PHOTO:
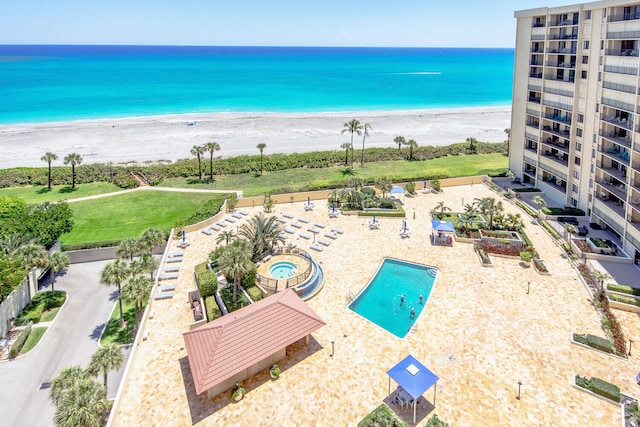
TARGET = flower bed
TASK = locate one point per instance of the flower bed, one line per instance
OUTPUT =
(599, 387)
(593, 341)
(499, 234)
(583, 245)
(540, 268)
(502, 247)
(484, 257)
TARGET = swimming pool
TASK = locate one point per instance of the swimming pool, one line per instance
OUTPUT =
(393, 293)
(282, 270)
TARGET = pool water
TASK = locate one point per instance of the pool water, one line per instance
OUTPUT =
(381, 301)
(282, 270)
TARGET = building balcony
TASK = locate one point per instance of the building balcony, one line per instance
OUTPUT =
(554, 183)
(551, 161)
(563, 37)
(615, 155)
(618, 121)
(621, 52)
(534, 100)
(535, 75)
(612, 204)
(565, 50)
(559, 118)
(565, 133)
(615, 187)
(529, 171)
(551, 144)
(563, 22)
(620, 87)
(636, 146)
(554, 64)
(629, 16)
(630, 71)
(532, 149)
(636, 166)
(613, 137)
(620, 175)
(567, 79)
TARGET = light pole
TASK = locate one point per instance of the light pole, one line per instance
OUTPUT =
(519, 385)
(528, 285)
(630, 342)
(332, 348)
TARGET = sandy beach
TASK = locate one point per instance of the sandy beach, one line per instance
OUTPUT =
(171, 137)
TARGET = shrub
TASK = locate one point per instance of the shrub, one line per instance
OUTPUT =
(19, 342)
(90, 245)
(435, 184)
(484, 257)
(526, 190)
(40, 303)
(387, 203)
(125, 181)
(368, 191)
(552, 211)
(527, 209)
(411, 187)
(598, 242)
(624, 299)
(434, 421)
(381, 416)
(550, 229)
(207, 283)
(249, 279)
(623, 289)
(254, 292)
(526, 256)
(601, 387)
(213, 311)
(595, 342)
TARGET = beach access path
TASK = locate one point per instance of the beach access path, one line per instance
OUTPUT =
(171, 137)
(145, 188)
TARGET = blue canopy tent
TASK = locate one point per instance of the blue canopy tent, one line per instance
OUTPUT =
(395, 190)
(440, 227)
(414, 378)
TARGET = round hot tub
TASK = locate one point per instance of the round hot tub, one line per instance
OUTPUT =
(282, 270)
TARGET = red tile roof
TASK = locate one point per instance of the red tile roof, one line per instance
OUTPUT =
(232, 343)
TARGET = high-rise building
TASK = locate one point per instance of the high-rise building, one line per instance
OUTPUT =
(575, 121)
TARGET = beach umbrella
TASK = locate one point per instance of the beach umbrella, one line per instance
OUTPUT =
(333, 206)
(374, 217)
(425, 185)
(184, 236)
(404, 226)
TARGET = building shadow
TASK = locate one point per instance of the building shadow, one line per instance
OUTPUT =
(201, 407)
(424, 408)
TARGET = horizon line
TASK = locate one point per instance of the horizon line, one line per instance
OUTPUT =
(253, 46)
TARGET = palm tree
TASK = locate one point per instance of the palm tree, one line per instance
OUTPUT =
(350, 196)
(472, 143)
(571, 229)
(346, 146)
(400, 141)
(151, 237)
(49, 157)
(73, 159)
(352, 127)
(411, 144)
(198, 151)
(137, 290)
(633, 414)
(384, 184)
(538, 200)
(261, 147)
(491, 207)
(65, 379)
(82, 405)
(225, 236)
(365, 131)
(508, 132)
(442, 208)
(105, 359)
(211, 147)
(57, 261)
(356, 182)
(600, 277)
(115, 273)
(128, 248)
(262, 234)
(235, 261)
(144, 264)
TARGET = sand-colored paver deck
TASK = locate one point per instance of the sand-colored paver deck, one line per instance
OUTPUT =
(480, 333)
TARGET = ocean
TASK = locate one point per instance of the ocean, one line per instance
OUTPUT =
(60, 83)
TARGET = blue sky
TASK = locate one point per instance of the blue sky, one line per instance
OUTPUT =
(399, 23)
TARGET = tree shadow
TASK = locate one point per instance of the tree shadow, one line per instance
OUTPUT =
(43, 190)
(113, 296)
(66, 190)
(192, 181)
(348, 171)
(97, 332)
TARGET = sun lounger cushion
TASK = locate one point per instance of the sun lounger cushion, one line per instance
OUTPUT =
(221, 223)
(318, 224)
(229, 219)
(305, 235)
(206, 231)
(166, 288)
(168, 276)
(331, 235)
(236, 215)
(337, 230)
(280, 219)
(283, 235)
(171, 268)
(164, 295)
(305, 220)
(316, 248)
(175, 259)
(287, 215)
(296, 225)
(214, 227)
(172, 254)
(324, 242)
(289, 230)
(243, 212)
(313, 230)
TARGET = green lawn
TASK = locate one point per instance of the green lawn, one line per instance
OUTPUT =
(60, 192)
(34, 338)
(301, 179)
(112, 332)
(50, 315)
(128, 215)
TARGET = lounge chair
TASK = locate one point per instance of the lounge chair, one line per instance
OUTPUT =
(314, 230)
(296, 224)
(283, 235)
(324, 242)
(206, 231)
(316, 248)
(214, 227)
(304, 220)
(229, 219)
(175, 259)
(331, 235)
(243, 212)
(221, 223)
(174, 254)
(305, 235)
(337, 230)
(318, 224)
(287, 215)
(164, 295)
(289, 230)
(281, 220)
(171, 269)
(166, 288)
(168, 276)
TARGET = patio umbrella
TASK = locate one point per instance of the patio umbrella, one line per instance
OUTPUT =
(333, 206)
(308, 200)
(184, 236)
(425, 185)
(404, 226)
(374, 217)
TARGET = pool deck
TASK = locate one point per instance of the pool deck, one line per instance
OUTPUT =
(480, 333)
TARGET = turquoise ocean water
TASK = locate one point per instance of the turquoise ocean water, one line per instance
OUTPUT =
(57, 83)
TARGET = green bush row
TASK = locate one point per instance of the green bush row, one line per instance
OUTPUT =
(90, 245)
(624, 289)
(624, 299)
(207, 283)
(595, 342)
(525, 239)
(550, 229)
(526, 190)
(563, 211)
(40, 303)
(254, 292)
(19, 342)
(601, 387)
(527, 209)
(400, 213)
(213, 311)
(494, 187)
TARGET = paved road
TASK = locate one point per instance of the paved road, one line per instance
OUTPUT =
(72, 339)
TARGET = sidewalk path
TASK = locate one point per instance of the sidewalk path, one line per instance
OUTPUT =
(177, 190)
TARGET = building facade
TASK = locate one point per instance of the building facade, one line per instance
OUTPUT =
(575, 121)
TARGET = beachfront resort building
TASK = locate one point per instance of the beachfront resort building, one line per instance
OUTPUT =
(575, 124)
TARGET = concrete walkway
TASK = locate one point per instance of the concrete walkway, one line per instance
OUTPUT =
(147, 188)
(71, 340)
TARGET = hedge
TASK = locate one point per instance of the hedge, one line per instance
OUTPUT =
(624, 289)
(525, 239)
(90, 245)
(526, 190)
(19, 342)
(624, 299)
(207, 283)
(213, 311)
(601, 387)
(595, 342)
(550, 229)
(254, 292)
(400, 213)
(563, 211)
(40, 303)
(381, 416)
(527, 209)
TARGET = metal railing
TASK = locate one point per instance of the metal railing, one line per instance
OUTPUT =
(623, 35)
(611, 222)
(555, 172)
(618, 104)
(632, 71)
(533, 112)
(531, 136)
(555, 77)
(534, 88)
(619, 87)
(621, 52)
(273, 284)
(623, 17)
(568, 93)
(566, 107)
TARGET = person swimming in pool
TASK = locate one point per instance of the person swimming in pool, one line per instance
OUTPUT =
(402, 299)
(421, 299)
(413, 313)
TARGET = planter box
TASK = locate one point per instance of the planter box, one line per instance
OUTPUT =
(465, 239)
(579, 344)
(599, 250)
(535, 267)
(595, 394)
(622, 306)
(482, 262)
